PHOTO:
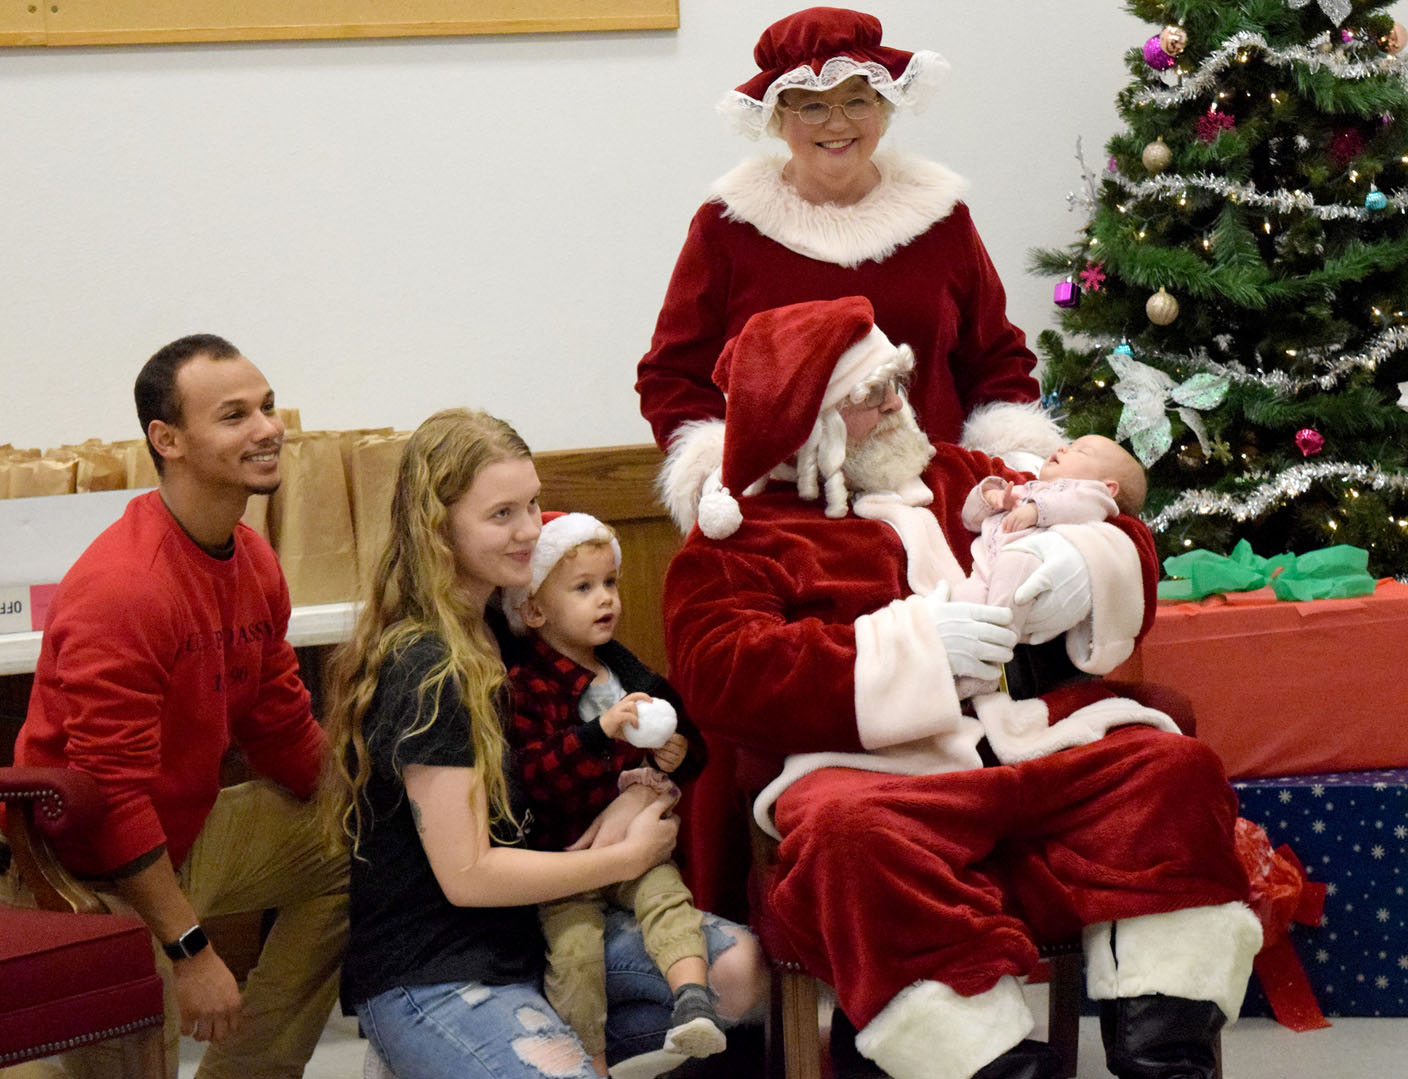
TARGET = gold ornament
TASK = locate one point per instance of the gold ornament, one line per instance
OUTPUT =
(1161, 308)
(1157, 156)
(1173, 39)
(1395, 39)
(1190, 457)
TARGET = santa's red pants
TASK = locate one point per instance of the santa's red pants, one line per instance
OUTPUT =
(884, 880)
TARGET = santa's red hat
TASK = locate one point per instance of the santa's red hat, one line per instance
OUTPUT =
(561, 533)
(822, 47)
(783, 377)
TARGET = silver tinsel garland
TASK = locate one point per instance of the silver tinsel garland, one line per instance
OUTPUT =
(1206, 76)
(1282, 201)
(1289, 484)
(1334, 363)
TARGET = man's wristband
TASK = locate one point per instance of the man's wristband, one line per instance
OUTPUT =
(190, 943)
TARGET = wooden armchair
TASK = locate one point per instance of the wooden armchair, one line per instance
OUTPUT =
(70, 973)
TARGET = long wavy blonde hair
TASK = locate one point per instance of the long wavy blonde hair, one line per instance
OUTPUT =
(414, 594)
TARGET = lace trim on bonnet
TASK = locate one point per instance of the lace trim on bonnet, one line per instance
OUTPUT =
(916, 85)
(913, 194)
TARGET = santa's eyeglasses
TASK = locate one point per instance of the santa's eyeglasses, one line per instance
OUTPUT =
(875, 394)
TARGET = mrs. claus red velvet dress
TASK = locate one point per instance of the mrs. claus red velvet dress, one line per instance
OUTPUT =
(909, 246)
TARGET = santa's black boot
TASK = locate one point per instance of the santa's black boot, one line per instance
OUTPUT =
(1159, 1037)
(1026, 1060)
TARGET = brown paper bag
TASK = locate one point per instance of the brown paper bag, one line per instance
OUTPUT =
(100, 468)
(348, 441)
(34, 476)
(8, 456)
(256, 514)
(292, 423)
(140, 468)
(310, 521)
(371, 479)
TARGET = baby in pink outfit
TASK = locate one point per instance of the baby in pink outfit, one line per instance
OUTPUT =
(1088, 480)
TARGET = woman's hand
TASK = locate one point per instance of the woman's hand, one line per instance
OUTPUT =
(610, 824)
(653, 833)
(621, 715)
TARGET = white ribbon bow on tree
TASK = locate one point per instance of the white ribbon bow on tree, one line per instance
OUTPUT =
(1147, 394)
(1335, 10)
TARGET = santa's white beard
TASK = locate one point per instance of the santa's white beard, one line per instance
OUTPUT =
(894, 453)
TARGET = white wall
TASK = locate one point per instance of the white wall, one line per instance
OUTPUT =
(391, 227)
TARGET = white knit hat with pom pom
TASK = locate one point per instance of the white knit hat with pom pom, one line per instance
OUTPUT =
(561, 533)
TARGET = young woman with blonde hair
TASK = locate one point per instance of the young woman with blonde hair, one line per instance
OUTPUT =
(445, 958)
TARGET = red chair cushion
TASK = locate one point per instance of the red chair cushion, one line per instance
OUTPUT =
(70, 979)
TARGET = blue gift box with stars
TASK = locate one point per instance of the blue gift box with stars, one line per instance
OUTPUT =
(1350, 831)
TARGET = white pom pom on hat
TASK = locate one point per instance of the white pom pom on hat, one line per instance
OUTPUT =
(561, 532)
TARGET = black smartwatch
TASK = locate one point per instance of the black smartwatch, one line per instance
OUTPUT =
(190, 943)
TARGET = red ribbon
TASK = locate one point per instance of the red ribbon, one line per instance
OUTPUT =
(1281, 894)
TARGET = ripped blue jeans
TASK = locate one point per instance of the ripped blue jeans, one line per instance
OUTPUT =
(511, 1032)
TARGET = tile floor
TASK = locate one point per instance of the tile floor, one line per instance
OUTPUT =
(1253, 1049)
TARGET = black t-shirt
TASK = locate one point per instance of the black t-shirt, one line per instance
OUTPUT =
(404, 931)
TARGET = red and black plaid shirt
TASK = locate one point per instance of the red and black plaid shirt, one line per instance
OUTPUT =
(568, 768)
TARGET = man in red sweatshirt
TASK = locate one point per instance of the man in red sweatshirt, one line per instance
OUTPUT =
(165, 645)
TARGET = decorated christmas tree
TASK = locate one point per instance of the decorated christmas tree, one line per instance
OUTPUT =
(1236, 305)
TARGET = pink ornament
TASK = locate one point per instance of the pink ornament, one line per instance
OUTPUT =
(1346, 35)
(1066, 294)
(1093, 276)
(1155, 56)
(1309, 441)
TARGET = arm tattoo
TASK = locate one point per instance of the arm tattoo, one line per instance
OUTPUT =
(415, 815)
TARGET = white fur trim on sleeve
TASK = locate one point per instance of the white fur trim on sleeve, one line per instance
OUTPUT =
(903, 685)
(1005, 429)
(696, 450)
(1019, 731)
(927, 1031)
(1106, 639)
(1199, 953)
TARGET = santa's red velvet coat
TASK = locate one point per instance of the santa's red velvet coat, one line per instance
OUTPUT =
(803, 636)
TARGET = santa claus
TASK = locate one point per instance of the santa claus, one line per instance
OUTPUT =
(929, 843)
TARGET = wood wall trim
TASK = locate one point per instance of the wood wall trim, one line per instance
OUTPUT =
(614, 483)
(125, 22)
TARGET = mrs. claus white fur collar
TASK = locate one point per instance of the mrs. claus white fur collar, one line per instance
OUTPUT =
(912, 195)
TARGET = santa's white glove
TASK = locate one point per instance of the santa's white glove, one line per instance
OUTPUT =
(1058, 589)
(975, 635)
(655, 722)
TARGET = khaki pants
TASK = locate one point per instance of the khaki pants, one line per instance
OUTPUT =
(575, 981)
(260, 848)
